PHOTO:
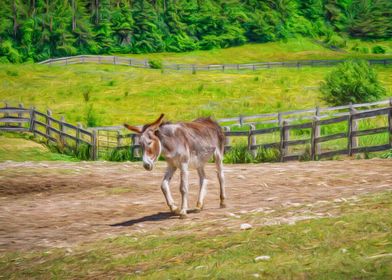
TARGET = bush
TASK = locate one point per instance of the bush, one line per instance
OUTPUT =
(352, 81)
(120, 154)
(91, 118)
(335, 41)
(267, 155)
(379, 50)
(238, 154)
(155, 64)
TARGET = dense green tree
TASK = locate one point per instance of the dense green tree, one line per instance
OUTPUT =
(39, 29)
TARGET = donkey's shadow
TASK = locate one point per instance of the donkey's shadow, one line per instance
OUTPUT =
(150, 218)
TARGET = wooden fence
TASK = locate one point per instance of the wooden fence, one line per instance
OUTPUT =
(59, 132)
(248, 128)
(144, 63)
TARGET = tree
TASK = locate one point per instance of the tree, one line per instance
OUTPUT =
(352, 81)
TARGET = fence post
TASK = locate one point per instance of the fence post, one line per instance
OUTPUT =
(350, 131)
(241, 120)
(318, 130)
(6, 106)
(94, 146)
(254, 67)
(223, 68)
(284, 136)
(62, 130)
(20, 115)
(315, 134)
(227, 138)
(354, 127)
(193, 69)
(32, 120)
(252, 140)
(136, 150)
(114, 60)
(130, 61)
(118, 139)
(48, 123)
(79, 126)
(390, 122)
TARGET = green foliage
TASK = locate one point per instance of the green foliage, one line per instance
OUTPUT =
(81, 152)
(91, 117)
(43, 29)
(387, 154)
(155, 64)
(238, 154)
(379, 50)
(351, 81)
(267, 155)
(120, 154)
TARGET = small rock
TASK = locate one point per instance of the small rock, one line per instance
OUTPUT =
(245, 226)
(262, 258)
(256, 275)
(343, 250)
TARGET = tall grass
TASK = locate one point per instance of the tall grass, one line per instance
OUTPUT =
(120, 154)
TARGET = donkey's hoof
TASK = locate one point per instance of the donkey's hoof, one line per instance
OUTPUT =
(183, 216)
(223, 205)
(175, 210)
(199, 207)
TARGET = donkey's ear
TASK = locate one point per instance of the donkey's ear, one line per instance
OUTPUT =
(155, 125)
(133, 128)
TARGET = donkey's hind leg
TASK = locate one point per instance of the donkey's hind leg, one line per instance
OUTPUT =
(219, 169)
(203, 189)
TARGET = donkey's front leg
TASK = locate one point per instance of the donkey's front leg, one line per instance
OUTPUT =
(166, 189)
(184, 190)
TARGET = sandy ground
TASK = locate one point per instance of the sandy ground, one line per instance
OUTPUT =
(57, 204)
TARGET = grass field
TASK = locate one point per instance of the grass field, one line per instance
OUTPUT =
(293, 49)
(354, 243)
(19, 148)
(112, 95)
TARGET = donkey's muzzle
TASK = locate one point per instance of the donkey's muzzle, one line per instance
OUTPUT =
(147, 166)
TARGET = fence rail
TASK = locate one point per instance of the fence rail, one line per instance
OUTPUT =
(103, 139)
(22, 119)
(144, 63)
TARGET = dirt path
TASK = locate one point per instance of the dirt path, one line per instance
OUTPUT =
(58, 204)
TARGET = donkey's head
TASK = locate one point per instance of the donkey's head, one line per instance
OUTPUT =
(149, 141)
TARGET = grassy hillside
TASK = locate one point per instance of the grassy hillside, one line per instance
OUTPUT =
(16, 148)
(355, 243)
(118, 94)
(292, 49)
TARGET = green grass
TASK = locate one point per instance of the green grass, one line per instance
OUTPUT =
(293, 49)
(118, 94)
(21, 148)
(354, 244)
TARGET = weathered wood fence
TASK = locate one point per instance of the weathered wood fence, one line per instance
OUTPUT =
(248, 128)
(144, 63)
(59, 132)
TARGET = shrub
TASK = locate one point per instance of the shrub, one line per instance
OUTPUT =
(91, 118)
(352, 81)
(379, 50)
(120, 154)
(335, 41)
(238, 154)
(155, 64)
(267, 155)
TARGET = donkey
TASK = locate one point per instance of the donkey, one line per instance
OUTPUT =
(183, 145)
